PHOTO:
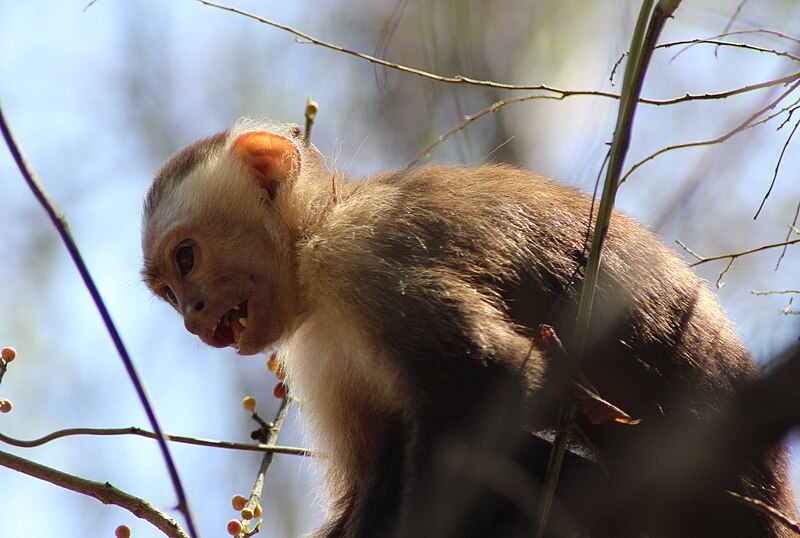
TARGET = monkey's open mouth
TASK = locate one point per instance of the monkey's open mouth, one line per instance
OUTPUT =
(230, 326)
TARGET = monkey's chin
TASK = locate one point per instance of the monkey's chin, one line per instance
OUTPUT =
(254, 340)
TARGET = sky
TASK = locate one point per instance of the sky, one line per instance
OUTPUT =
(98, 97)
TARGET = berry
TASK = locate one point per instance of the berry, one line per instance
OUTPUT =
(249, 403)
(234, 527)
(5, 406)
(123, 531)
(8, 354)
(238, 502)
(280, 390)
(272, 362)
(257, 510)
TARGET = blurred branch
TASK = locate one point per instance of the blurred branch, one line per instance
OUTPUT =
(460, 79)
(293, 451)
(62, 228)
(775, 292)
(103, 492)
(457, 79)
(649, 24)
(491, 109)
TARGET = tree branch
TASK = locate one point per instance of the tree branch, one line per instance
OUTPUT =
(62, 228)
(103, 492)
(260, 447)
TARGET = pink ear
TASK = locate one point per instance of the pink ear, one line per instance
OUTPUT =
(271, 157)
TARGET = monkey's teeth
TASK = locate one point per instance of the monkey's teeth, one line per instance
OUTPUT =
(243, 322)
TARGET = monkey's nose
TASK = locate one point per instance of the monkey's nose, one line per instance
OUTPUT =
(194, 322)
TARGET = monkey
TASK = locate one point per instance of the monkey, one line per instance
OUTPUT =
(406, 308)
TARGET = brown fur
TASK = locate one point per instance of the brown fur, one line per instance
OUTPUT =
(405, 306)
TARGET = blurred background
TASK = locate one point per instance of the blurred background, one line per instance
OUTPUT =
(99, 97)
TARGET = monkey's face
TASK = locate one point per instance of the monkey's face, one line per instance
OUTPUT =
(222, 289)
(216, 248)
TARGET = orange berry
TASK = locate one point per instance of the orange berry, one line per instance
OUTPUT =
(6, 406)
(280, 374)
(249, 403)
(234, 527)
(280, 390)
(123, 531)
(238, 502)
(257, 511)
(272, 362)
(8, 354)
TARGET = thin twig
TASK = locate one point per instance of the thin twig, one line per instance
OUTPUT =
(703, 259)
(460, 79)
(62, 228)
(769, 511)
(777, 169)
(272, 438)
(491, 109)
(776, 292)
(735, 15)
(260, 447)
(719, 43)
(730, 257)
(792, 228)
(103, 492)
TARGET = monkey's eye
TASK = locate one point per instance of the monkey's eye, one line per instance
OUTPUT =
(171, 297)
(184, 257)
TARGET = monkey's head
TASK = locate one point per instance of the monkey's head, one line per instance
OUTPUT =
(217, 235)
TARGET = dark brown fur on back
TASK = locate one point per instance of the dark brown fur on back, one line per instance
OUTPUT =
(452, 269)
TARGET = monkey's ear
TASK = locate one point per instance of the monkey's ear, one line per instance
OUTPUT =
(271, 157)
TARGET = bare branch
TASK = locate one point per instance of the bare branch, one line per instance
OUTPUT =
(731, 257)
(746, 124)
(735, 15)
(272, 438)
(103, 492)
(777, 169)
(702, 259)
(62, 228)
(260, 447)
(770, 511)
(491, 109)
(457, 79)
(792, 228)
(711, 41)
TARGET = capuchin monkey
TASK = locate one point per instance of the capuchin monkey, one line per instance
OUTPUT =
(407, 309)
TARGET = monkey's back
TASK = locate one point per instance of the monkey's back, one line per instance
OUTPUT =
(501, 251)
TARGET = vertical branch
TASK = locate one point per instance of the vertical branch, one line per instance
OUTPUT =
(648, 28)
(255, 494)
(62, 227)
(641, 50)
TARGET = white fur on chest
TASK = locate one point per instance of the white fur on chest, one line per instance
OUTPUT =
(345, 385)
